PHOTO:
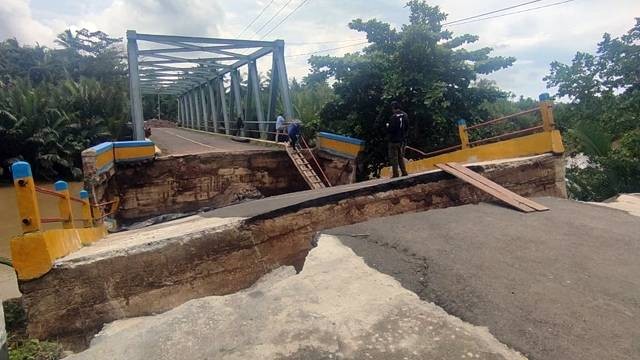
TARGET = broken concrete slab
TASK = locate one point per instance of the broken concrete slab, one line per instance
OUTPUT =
(143, 274)
(337, 307)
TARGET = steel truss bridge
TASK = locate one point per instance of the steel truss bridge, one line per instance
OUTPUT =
(205, 75)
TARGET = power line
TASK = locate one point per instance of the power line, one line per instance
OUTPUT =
(325, 50)
(492, 12)
(515, 12)
(285, 18)
(470, 19)
(273, 17)
(322, 42)
(255, 18)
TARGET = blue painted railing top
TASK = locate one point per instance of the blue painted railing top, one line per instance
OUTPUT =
(136, 143)
(100, 148)
(341, 138)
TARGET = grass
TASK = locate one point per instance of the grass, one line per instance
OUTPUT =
(21, 347)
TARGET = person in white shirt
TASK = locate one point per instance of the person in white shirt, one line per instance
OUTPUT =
(281, 126)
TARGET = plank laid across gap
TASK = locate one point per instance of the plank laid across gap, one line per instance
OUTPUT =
(491, 187)
(488, 182)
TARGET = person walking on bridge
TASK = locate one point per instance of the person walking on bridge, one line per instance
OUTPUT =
(281, 126)
(397, 132)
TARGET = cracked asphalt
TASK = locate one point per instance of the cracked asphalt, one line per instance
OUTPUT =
(562, 284)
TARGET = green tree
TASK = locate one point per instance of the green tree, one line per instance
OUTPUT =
(54, 103)
(424, 67)
(602, 119)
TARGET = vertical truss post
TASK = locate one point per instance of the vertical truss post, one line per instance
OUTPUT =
(185, 113)
(237, 97)
(212, 102)
(197, 99)
(223, 105)
(205, 115)
(273, 91)
(192, 110)
(179, 112)
(254, 86)
(278, 53)
(134, 86)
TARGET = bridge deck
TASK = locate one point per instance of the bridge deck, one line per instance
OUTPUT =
(175, 141)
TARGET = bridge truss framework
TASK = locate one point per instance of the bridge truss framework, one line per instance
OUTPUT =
(196, 71)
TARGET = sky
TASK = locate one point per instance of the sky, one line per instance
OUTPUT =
(534, 38)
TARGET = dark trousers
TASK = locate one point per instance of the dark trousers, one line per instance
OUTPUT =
(396, 158)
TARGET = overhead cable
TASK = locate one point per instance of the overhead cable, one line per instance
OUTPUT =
(255, 18)
(285, 18)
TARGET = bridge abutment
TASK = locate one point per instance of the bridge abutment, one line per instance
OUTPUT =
(152, 270)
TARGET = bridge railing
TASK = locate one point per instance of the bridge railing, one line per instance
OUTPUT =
(534, 139)
(34, 252)
(545, 109)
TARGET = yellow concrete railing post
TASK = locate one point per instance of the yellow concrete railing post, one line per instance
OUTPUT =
(64, 204)
(546, 112)
(87, 219)
(26, 196)
(462, 131)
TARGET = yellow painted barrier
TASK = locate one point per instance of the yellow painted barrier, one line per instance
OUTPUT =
(131, 151)
(34, 252)
(339, 145)
(548, 140)
(529, 145)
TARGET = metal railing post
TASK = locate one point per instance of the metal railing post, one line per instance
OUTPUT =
(462, 132)
(86, 209)
(64, 204)
(26, 197)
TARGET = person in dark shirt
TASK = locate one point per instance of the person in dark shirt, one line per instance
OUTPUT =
(239, 126)
(397, 131)
(293, 131)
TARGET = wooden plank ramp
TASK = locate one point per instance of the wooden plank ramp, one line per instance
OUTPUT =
(308, 174)
(519, 202)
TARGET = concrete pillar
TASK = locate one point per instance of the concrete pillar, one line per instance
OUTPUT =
(25, 187)
(64, 203)
(462, 132)
(135, 96)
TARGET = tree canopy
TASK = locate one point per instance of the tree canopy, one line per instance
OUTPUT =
(424, 67)
(602, 119)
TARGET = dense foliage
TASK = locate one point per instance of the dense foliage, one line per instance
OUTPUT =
(602, 119)
(421, 65)
(56, 102)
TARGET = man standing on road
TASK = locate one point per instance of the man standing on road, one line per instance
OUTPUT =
(397, 131)
(280, 126)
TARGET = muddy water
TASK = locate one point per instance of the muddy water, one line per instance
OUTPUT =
(10, 227)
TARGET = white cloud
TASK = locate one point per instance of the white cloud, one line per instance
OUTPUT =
(16, 21)
(175, 17)
(535, 38)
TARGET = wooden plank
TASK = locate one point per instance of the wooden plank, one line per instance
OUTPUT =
(498, 187)
(453, 171)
